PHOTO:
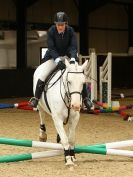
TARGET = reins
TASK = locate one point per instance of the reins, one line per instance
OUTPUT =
(68, 95)
(67, 90)
(48, 79)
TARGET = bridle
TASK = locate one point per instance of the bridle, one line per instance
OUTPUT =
(74, 92)
(68, 94)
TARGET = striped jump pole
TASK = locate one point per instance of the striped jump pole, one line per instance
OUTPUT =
(30, 143)
(84, 149)
(57, 146)
(103, 149)
(29, 156)
(25, 105)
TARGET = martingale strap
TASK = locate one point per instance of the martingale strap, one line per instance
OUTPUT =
(46, 100)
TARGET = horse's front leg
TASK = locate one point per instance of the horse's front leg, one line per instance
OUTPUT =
(72, 123)
(64, 139)
(42, 134)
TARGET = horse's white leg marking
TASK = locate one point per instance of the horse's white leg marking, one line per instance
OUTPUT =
(64, 139)
(72, 123)
(43, 134)
(60, 129)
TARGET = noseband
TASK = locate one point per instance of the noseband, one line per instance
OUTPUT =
(74, 92)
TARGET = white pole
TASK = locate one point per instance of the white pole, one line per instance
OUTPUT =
(51, 153)
(47, 145)
(94, 76)
(105, 75)
(100, 84)
(109, 78)
(120, 152)
(119, 144)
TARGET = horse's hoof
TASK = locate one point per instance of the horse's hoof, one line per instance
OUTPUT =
(130, 119)
(58, 138)
(73, 159)
(44, 139)
(69, 161)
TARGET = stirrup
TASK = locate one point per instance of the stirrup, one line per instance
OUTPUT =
(88, 104)
(34, 102)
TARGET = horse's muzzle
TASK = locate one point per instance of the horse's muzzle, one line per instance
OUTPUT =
(76, 107)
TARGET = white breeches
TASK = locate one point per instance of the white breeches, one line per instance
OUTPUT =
(43, 71)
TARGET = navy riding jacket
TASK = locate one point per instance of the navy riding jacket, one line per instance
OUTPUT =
(63, 44)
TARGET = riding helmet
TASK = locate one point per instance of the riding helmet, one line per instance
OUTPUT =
(61, 17)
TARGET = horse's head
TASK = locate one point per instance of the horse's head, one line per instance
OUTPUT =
(75, 81)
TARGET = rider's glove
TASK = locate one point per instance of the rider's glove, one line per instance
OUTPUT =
(57, 60)
(61, 65)
(72, 61)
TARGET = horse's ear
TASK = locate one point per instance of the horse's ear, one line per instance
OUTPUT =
(67, 63)
(84, 64)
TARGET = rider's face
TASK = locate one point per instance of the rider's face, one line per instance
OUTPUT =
(60, 27)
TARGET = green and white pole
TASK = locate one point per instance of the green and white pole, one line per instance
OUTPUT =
(57, 146)
(29, 156)
(52, 153)
(30, 143)
(103, 149)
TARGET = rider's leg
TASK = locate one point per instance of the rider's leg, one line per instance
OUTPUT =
(86, 100)
(40, 76)
(38, 93)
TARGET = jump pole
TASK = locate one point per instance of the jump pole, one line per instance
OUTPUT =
(30, 143)
(29, 156)
(35, 155)
(102, 149)
(57, 146)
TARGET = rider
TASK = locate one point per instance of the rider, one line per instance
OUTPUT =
(61, 42)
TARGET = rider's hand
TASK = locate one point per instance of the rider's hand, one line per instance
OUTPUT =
(61, 65)
(72, 61)
(57, 60)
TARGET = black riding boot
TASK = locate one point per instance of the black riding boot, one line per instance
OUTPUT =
(38, 93)
(86, 100)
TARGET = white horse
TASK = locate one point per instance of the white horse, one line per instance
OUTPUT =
(64, 100)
